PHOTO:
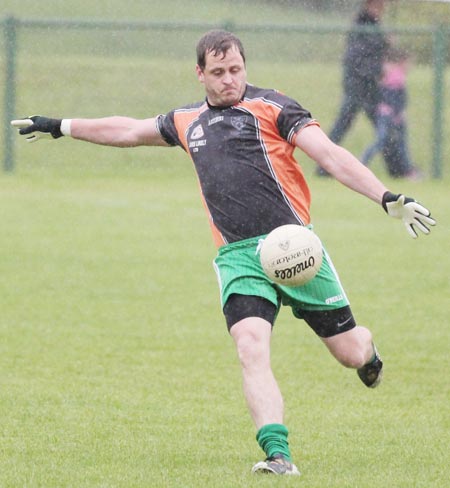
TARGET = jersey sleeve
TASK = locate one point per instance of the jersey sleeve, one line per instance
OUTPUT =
(292, 118)
(166, 127)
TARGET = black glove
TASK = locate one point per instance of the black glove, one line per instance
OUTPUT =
(38, 127)
(411, 212)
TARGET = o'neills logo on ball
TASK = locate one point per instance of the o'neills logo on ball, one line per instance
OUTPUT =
(288, 273)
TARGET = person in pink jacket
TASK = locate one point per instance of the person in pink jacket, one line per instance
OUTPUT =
(391, 127)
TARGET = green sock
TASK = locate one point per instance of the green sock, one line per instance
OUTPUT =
(272, 439)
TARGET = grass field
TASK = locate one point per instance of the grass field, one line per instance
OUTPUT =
(116, 366)
(117, 369)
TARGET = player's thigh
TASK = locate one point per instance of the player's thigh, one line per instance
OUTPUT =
(239, 272)
(239, 307)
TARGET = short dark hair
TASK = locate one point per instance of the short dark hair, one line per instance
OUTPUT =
(217, 42)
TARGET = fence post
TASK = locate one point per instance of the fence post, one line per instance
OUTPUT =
(439, 42)
(10, 26)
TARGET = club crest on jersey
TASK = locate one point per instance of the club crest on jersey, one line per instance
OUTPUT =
(197, 132)
(239, 122)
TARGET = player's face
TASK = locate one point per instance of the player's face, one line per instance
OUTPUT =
(224, 77)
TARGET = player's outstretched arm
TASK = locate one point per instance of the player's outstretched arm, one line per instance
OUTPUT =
(109, 131)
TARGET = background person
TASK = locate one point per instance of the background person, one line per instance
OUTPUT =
(391, 135)
(362, 68)
(241, 139)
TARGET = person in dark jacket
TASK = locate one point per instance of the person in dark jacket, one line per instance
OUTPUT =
(362, 63)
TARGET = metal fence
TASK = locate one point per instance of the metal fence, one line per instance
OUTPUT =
(174, 39)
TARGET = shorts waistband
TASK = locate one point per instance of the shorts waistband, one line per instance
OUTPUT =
(245, 243)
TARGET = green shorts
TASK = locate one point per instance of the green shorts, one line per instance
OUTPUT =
(239, 271)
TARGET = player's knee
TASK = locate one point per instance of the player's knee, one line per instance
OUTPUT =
(251, 352)
(362, 350)
(353, 349)
(252, 347)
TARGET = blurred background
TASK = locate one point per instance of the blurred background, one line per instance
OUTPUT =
(136, 58)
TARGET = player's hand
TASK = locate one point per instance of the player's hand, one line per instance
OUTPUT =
(37, 127)
(412, 213)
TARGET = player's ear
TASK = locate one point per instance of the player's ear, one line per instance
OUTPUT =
(200, 74)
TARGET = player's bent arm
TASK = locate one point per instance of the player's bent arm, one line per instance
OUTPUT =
(340, 163)
(117, 131)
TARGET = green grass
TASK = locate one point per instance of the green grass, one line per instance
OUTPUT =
(247, 11)
(116, 367)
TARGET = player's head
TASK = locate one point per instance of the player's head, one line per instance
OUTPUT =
(217, 42)
(221, 67)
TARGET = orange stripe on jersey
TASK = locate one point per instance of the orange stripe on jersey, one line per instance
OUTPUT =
(280, 158)
(183, 120)
(216, 234)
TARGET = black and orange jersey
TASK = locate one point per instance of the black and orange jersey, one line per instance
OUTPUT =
(243, 155)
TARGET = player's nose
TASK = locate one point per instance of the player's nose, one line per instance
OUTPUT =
(227, 78)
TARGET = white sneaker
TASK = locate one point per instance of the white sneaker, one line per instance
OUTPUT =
(276, 465)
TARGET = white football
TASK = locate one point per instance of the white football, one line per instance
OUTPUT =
(291, 255)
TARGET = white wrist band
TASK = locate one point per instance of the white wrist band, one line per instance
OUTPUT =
(65, 127)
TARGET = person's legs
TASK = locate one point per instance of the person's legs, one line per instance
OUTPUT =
(403, 144)
(396, 159)
(350, 344)
(377, 146)
(370, 152)
(370, 100)
(252, 339)
(250, 306)
(347, 112)
(265, 402)
(250, 320)
(353, 348)
(411, 171)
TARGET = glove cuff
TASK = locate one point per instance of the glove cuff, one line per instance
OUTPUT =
(387, 198)
(66, 127)
(55, 128)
